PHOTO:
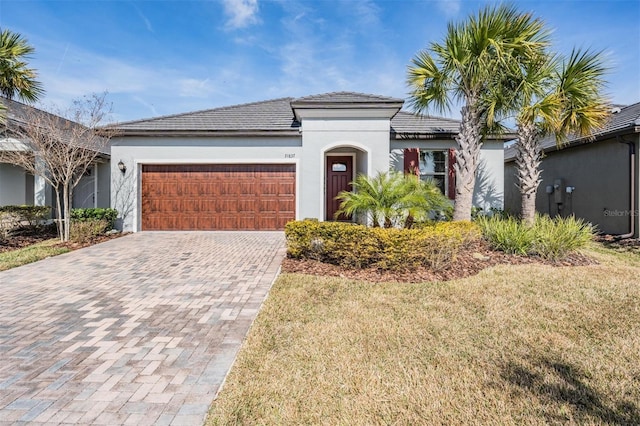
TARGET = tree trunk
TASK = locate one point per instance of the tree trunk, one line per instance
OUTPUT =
(59, 214)
(67, 211)
(528, 208)
(469, 144)
(408, 222)
(528, 158)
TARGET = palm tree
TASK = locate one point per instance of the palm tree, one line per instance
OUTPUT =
(469, 66)
(560, 98)
(391, 198)
(16, 78)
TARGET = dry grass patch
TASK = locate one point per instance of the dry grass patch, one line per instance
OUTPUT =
(32, 253)
(515, 344)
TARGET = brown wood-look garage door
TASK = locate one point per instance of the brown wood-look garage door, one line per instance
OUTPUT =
(218, 196)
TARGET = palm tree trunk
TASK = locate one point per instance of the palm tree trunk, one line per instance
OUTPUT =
(469, 143)
(528, 160)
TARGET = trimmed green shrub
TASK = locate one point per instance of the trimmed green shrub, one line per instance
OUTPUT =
(549, 238)
(84, 215)
(356, 246)
(22, 219)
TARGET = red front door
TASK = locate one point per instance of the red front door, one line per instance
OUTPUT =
(339, 173)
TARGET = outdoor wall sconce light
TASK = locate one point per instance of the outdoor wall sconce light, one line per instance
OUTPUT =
(122, 167)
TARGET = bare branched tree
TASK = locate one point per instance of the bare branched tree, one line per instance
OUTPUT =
(58, 147)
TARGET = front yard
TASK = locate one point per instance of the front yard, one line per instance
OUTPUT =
(515, 344)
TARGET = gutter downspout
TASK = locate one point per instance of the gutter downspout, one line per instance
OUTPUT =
(632, 187)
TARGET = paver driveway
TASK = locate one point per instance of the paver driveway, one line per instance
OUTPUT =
(138, 330)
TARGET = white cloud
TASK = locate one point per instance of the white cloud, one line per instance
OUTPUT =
(242, 13)
(368, 13)
(146, 21)
(449, 7)
(136, 88)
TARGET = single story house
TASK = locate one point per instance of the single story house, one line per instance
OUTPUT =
(593, 178)
(258, 165)
(19, 187)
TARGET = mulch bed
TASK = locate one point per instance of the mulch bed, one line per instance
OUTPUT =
(471, 261)
(627, 245)
(19, 241)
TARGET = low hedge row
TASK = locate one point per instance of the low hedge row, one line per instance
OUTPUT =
(357, 246)
(22, 219)
(29, 214)
(84, 215)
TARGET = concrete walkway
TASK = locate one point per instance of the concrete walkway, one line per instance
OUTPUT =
(138, 330)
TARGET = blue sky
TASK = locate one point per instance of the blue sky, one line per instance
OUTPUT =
(158, 57)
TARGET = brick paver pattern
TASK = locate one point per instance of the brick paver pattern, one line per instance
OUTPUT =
(138, 330)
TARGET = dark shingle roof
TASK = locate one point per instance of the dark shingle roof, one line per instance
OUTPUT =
(622, 119)
(277, 117)
(268, 116)
(17, 114)
(405, 124)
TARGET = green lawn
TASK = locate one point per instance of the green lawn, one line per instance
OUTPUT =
(512, 345)
(33, 253)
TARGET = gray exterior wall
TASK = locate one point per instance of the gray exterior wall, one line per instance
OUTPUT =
(103, 195)
(17, 187)
(13, 189)
(599, 172)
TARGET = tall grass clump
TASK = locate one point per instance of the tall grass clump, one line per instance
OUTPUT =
(549, 238)
(556, 238)
(508, 234)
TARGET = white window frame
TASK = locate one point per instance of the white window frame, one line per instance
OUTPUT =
(443, 175)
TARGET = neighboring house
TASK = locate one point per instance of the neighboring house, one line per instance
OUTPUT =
(18, 187)
(593, 178)
(259, 165)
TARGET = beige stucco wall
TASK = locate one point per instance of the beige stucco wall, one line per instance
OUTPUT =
(488, 191)
(137, 151)
(367, 138)
(599, 172)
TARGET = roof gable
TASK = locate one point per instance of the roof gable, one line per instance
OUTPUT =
(346, 98)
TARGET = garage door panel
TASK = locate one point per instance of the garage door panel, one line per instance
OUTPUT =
(217, 197)
(269, 188)
(228, 188)
(286, 206)
(268, 205)
(268, 222)
(206, 222)
(247, 222)
(247, 187)
(247, 204)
